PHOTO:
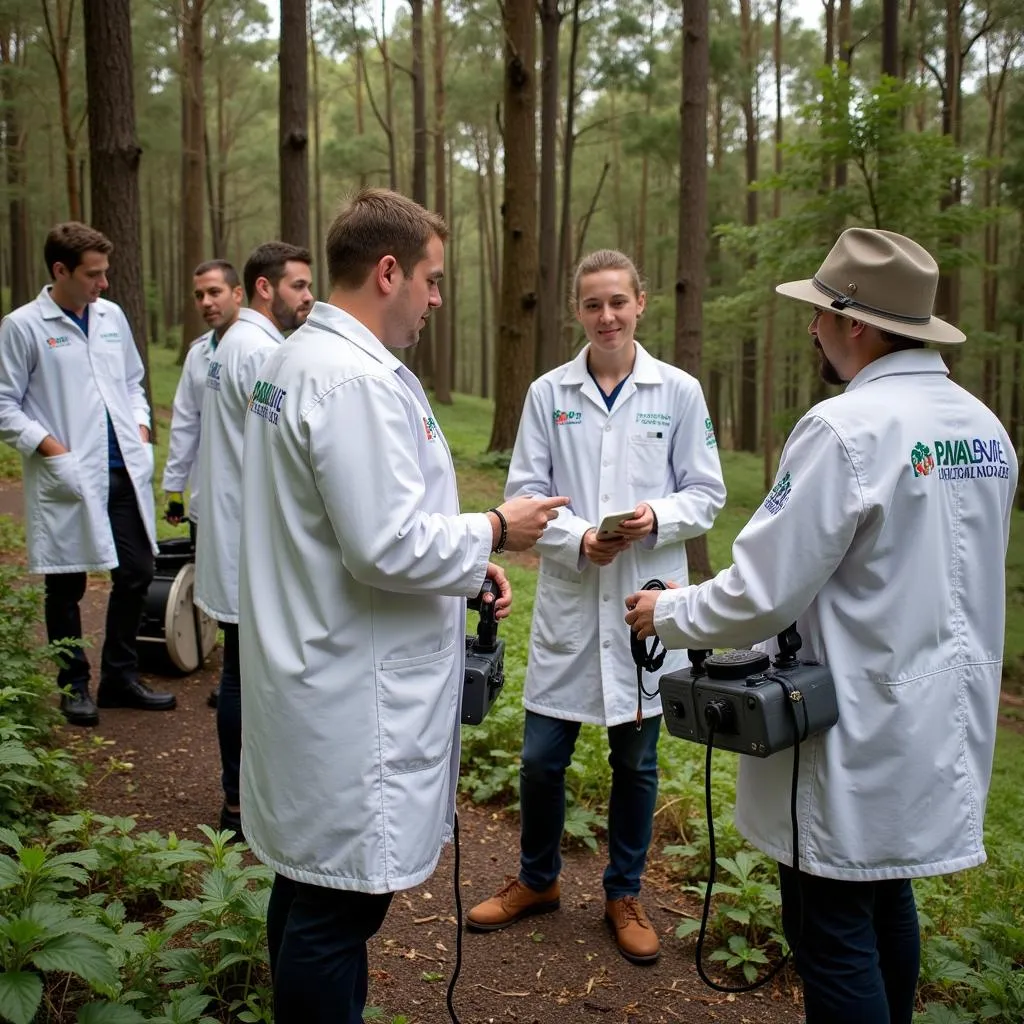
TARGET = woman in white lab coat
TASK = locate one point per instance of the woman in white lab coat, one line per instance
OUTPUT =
(616, 430)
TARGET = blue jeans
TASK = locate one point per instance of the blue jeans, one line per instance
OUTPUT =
(548, 745)
(229, 714)
(858, 949)
(317, 942)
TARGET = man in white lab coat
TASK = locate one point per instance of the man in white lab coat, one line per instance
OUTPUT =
(217, 290)
(884, 539)
(355, 568)
(73, 405)
(277, 281)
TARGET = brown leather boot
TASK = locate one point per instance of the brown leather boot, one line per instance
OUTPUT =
(510, 903)
(636, 937)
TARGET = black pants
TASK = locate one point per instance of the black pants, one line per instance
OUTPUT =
(858, 949)
(130, 581)
(317, 939)
(229, 714)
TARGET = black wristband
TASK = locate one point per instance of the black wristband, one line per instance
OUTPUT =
(503, 536)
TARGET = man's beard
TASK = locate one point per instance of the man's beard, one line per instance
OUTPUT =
(287, 318)
(829, 374)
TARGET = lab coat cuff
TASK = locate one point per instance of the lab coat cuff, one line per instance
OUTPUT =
(664, 620)
(480, 528)
(667, 530)
(174, 482)
(30, 439)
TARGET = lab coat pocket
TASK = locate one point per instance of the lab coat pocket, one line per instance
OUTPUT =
(416, 700)
(59, 478)
(558, 615)
(646, 461)
(109, 361)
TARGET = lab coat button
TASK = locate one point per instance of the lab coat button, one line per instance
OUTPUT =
(606, 643)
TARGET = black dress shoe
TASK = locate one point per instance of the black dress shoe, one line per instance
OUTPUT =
(133, 694)
(231, 821)
(78, 708)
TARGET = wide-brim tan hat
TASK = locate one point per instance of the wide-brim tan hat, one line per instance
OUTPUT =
(879, 278)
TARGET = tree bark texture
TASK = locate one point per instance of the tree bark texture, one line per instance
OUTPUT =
(691, 257)
(516, 332)
(193, 169)
(442, 320)
(748, 440)
(114, 156)
(293, 126)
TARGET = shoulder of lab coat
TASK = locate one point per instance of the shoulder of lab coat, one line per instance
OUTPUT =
(17, 361)
(529, 471)
(186, 413)
(785, 553)
(257, 319)
(373, 487)
(690, 510)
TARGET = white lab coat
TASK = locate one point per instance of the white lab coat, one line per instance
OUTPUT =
(355, 567)
(655, 445)
(890, 559)
(182, 467)
(55, 380)
(230, 376)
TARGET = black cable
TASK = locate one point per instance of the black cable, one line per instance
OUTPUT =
(646, 658)
(698, 954)
(458, 933)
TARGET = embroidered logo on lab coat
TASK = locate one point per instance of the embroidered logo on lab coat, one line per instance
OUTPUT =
(60, 342)
(710, 441)
(430, 428)
(564, 419)
(778, 496)
(921, 459)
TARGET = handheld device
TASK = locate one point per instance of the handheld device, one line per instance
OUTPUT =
(609, 526)
(485, 659)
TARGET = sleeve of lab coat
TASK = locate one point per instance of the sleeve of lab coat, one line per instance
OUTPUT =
(17, 362)
(530, 472)
(185, 416)
(134, 374)
(700, 488)
(780, 560)
(362, 449)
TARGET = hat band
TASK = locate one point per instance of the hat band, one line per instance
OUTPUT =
(841, 301)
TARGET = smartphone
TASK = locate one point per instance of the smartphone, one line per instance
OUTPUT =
(610, 524)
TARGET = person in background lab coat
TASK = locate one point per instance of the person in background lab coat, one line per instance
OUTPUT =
(73, 405)
(617, 430)
(884, 539)
(277, 281)
(217, 290)
(355, 568)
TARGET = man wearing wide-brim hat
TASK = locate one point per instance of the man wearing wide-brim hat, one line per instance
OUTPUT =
(884, 538)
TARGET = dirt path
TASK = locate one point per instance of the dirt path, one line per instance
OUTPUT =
(548, 970)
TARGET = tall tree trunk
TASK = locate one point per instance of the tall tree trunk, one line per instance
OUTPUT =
(193, 153)
(318, 227)
(442, 318)
(768, 368)
(293, 124)
(484, 281)
(517, 334)
(691, 255)
(891, 38)
(549, 347)
(565, 240)
(154, 264)
(748, 440)
(114, 156)
(12, 57)
(947, 299)
(419, 107)
(58, 45)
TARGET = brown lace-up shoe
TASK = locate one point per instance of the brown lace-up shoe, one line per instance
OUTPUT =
(636, 937)
(510, 903)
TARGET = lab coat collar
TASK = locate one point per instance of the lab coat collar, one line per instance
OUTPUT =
(907, 361)
(331, 318)
(645, 368)
(265, 324)
(51, 311)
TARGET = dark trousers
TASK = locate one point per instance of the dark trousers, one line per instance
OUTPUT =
(229, 714)
(858, 949)
(130, 581)
(317, 939)
(548, 745)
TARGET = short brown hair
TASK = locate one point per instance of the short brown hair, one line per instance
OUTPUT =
(376, 223)
(231, 278)
(604, 259)
(268, 260)
(66, 243)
